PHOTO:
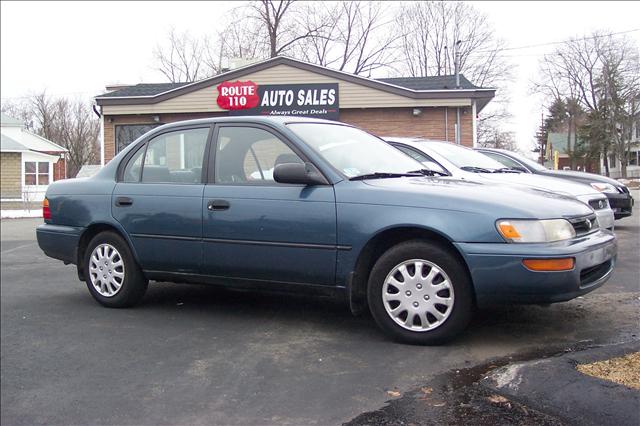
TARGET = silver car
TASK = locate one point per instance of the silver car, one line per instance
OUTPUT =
(465, 163)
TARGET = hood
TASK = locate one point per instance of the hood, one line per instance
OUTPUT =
(498, 200)
(587, 177)
(546, 183)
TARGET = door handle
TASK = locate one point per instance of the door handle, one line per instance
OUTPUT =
(214, 205)
(123, 201)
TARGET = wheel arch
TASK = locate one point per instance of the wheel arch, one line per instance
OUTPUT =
(91, 231)
(379, 244)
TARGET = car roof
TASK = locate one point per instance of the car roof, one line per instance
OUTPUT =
(280, 120)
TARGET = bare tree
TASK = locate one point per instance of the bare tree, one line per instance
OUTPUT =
(77, 130)
(601, 75)
(283, 23)
(185, 58)
(429, 35)
(70, 123)
(500, 140)
(351, 36)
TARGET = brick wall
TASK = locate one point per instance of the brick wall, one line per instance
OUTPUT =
(429, 124)
(10, 175)
(380, 121)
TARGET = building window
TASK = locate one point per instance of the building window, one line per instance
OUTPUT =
(129, 133)
(634, 158)
(612, 161)
(36, 173)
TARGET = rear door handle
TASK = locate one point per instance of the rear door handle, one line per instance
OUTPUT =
(214, 205)
(123, 201)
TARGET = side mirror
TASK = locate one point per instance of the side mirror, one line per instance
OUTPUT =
(298, 173)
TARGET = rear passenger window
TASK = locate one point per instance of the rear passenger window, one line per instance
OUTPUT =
(175, 157)
(134, 167)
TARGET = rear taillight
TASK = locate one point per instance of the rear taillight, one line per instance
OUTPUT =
(46, 213)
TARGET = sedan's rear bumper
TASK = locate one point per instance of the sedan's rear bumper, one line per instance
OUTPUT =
(59, 242)
(499, 277)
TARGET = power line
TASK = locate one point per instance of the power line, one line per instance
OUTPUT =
(530, 46)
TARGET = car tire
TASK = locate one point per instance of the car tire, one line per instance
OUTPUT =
(430, 283)
(112, 275)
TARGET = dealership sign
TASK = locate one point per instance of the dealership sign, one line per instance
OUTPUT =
(302, 100)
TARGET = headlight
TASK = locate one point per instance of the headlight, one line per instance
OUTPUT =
(604, 187)
(535, 231)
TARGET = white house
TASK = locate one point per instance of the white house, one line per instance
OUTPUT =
(28, 163)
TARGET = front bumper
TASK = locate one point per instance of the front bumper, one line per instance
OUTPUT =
(59, 242)
(621, 204)
(605, 218)
(500, 278)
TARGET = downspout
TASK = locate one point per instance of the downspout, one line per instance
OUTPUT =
(101, 116)
(457, 72)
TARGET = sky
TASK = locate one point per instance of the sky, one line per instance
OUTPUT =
(77, 48)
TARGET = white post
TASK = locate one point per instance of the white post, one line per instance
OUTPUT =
(474, 123)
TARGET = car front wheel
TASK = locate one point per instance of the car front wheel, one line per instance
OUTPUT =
(113, 277)
(420, 293)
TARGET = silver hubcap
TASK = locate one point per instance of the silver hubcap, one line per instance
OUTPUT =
(106, 270)
(418, 295)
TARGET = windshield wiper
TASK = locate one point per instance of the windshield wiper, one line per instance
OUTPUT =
(507, 170)
(383, 175)
(475, 169)
(428, 172)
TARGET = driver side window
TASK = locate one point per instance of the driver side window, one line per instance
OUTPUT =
(247, 155)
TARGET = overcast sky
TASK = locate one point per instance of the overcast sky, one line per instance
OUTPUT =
(76, 48)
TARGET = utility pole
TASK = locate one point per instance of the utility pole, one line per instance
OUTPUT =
(457, 72)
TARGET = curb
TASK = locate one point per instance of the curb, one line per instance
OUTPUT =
(554, 386)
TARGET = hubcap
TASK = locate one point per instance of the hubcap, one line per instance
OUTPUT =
(106, 270)
(418, 295)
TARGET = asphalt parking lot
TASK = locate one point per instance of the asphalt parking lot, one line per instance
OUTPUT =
(200, 355)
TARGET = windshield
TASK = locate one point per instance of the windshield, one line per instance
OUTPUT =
(464, 157)
(352, 151)
(528, 162)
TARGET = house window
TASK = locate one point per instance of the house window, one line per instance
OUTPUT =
(36, 173)
(612, 161)
(634, 158)
(129, 133)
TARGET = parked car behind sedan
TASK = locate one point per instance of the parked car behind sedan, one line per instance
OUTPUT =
(620, 198)
(465, 163)
(314, 206)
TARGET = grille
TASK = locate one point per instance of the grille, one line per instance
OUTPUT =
(599, 204)
(594, 273)
(584, 225)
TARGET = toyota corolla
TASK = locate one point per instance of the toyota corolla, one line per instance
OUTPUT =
(313, 206)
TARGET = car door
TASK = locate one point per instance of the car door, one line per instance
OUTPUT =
(256, 228)
(158, 200)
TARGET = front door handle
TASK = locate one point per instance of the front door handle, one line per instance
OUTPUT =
(123, 201)
(215, 205)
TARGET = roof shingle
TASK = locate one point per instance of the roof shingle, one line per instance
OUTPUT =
(445, 82)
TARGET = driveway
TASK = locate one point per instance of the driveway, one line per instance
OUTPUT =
(200, 355)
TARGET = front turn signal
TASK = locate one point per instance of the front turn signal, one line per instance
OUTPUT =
(549, 265)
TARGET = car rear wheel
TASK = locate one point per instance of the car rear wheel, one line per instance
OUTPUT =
(420, 293)
(113, 277)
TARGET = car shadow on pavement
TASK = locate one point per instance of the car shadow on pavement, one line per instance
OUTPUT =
(577, 320)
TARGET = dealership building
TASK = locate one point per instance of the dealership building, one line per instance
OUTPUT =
(430, 107)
